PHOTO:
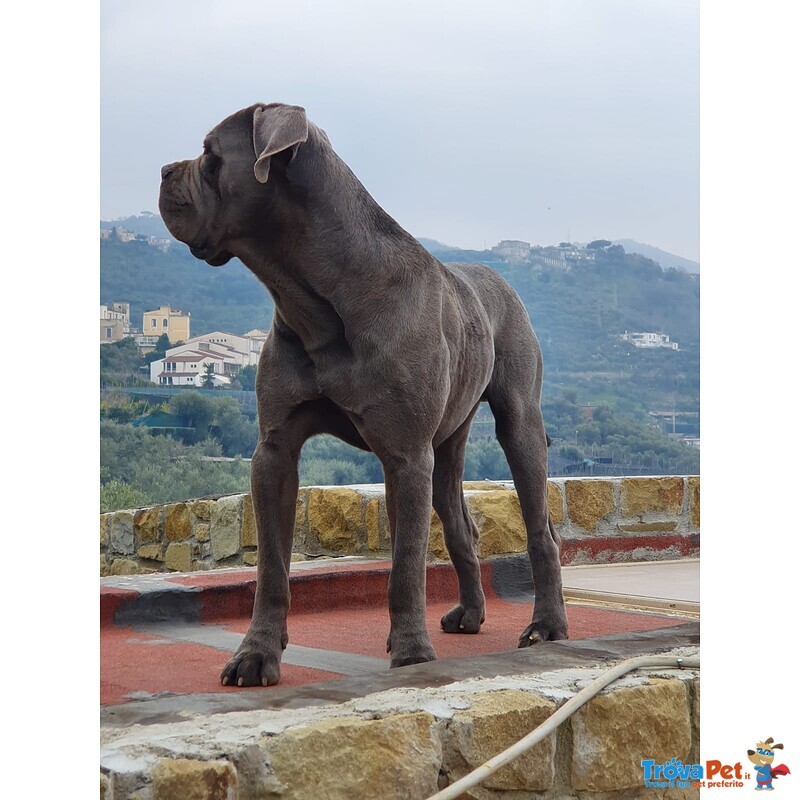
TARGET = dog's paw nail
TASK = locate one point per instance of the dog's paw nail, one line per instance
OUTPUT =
(225, 681)
(241, 682)
(264, 682)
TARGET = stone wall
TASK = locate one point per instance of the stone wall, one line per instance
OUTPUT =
(600, 520)
(406, 744)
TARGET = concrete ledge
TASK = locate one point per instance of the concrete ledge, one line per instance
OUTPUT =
(407, 741)
(600, 520)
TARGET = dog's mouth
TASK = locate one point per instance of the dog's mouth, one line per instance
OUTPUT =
(216, 258)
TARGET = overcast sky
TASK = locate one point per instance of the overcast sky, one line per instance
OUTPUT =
(468, 122)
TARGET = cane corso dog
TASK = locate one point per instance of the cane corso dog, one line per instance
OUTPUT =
(378, 343)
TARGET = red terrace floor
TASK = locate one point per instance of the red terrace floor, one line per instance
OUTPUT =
(141, 660)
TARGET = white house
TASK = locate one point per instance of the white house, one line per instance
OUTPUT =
(186, 364)
(649, 340)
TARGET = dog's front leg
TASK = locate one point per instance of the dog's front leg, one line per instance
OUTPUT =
(274, 482)
(409, 482)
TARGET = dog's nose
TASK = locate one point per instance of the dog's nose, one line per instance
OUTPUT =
(166, 171)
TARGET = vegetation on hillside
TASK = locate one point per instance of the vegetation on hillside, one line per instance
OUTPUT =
(141, 466)
(597, 392)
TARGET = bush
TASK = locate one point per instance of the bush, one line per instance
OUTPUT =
(115, 495)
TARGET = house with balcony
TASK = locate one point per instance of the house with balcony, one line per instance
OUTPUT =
(186, 364)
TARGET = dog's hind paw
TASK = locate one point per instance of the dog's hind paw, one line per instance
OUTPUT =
(463, 620)
(538, 632)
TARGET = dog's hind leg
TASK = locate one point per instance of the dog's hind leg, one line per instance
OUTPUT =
(514, 398)
(460, 533)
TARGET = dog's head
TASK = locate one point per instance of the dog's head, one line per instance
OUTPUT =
(227, 191)
(764, 753)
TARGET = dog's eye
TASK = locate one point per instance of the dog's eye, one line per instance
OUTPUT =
(209, 164)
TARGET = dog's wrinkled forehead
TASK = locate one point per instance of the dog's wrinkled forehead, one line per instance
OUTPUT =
(233, 134)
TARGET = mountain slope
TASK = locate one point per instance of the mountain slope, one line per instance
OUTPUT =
(662, 257)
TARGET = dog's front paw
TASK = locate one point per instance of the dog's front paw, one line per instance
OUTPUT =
(409, 650)
(255, 664)
(463, 620)
(542, 631)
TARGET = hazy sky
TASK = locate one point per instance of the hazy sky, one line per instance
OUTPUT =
(468, 122)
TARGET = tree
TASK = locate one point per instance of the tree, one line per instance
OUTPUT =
(598, 244)
(121, 356)
(207, 381)
(162, 345)
(247, 378)
(115, 495)
(197, 410)
(235, 432)
(616, 252)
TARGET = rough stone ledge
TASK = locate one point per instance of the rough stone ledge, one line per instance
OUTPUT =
(402, 743)
(600, 520)
(405, 741)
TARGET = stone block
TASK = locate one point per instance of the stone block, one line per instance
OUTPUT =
(104, 565)
(178, 557)
(651, 495)
(202, 531)
(499, 519)
(225, 524)
(436, 546)
(103, 786)
(661, 526)
(250, 558)
(105, 525)
(148, 523)
(187, 779)
(121, 538)
(335, 518)
(555, 503)
(372, 522)
(396, 758)
(614, 732)
(301, 518)
(695, 697)
(249, 533)
(177, 522)
(495, 721)
(694, 501)
(201, 510)
(482, 486)
(589, 501)
(151, 551)
(126, 566)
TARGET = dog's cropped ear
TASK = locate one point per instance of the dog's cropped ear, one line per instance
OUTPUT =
(276, 127)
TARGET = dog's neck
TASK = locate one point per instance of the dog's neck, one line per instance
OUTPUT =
(332, 248)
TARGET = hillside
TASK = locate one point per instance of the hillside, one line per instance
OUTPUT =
(145, 222)
(577, 314)
(226, 298)
(660, 256)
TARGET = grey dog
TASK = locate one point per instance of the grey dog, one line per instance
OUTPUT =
(378, 343)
